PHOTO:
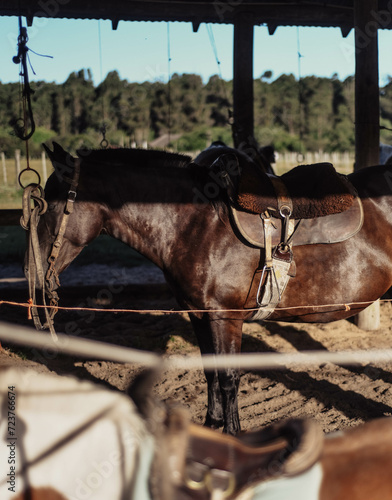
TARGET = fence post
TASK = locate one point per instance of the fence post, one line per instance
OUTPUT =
(44, 171)
(4, 169)
(17, 166)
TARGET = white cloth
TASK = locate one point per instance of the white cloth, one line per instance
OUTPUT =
(305, 486)
(80, 439)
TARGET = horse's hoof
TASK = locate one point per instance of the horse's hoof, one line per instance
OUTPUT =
(232, 429)
(230, 432)
(213, 423)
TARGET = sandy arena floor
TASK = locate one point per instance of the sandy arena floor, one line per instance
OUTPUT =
(337, 397)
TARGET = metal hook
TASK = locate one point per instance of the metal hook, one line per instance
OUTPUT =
(104, 143)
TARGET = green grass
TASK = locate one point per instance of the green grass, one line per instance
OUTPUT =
(10, 190)
(10, 197)
(103, 250)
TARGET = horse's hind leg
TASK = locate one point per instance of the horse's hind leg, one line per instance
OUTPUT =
(214, 417)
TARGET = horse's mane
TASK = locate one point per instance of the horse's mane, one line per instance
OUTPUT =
(127, 157)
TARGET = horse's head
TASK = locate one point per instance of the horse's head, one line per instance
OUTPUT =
(71, 220)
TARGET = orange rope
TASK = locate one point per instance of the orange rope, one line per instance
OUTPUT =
(344, 306)
(30, 305)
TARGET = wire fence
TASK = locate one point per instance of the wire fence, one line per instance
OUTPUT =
(342, 161)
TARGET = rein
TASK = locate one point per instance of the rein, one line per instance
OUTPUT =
(35, 274)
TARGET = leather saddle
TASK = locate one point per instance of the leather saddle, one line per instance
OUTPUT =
(325, 205)
(234, 464)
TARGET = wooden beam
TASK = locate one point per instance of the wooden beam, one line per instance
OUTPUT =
(243, 80)
(367, 107)
(345, 31)
(10, 217)
(271, 28)
(367, 112)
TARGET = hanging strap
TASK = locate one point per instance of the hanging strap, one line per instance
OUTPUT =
(35, 274)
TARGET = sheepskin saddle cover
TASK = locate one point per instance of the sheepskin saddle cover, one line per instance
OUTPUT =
(316, 190)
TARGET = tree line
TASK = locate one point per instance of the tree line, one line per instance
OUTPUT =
(311, 114)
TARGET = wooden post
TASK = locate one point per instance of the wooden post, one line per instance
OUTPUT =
(367, 125)
(243, 80)
(17, 166)
(4, 169)
(44, 170)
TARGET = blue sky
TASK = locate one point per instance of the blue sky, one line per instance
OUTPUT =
(139, 51)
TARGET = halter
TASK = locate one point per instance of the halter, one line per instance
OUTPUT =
(69, 206)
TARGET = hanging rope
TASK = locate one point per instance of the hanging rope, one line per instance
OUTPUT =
(103, 128)
(218, 63)
(300, 157)
(24, 127)
(168, 84)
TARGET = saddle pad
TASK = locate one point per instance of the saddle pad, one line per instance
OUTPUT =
(329, 229)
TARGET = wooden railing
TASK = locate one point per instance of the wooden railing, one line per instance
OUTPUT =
(10, 217)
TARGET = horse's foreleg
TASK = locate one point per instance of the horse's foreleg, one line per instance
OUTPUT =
(226, 337)
(217, 335)
(214, 417)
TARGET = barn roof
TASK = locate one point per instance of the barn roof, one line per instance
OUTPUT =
(324, 13)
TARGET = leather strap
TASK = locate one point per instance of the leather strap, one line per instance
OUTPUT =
(68, 209)
(285, 203)
(34, 270)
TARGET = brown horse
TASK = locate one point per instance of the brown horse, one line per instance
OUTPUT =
(174, 213)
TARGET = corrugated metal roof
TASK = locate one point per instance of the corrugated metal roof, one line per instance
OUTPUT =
(331, 13)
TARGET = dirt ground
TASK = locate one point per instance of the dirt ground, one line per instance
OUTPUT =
(337, 397)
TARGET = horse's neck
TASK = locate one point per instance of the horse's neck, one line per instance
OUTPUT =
(152, 213)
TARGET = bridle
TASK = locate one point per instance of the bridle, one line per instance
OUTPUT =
(35, 273)
(68, 209)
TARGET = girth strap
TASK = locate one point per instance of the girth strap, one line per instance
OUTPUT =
(275, 274)
(277, 263)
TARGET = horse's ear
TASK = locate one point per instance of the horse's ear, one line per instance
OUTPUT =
(48, 151)
(63, 162)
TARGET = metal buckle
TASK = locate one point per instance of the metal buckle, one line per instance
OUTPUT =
(222, 481)
(211, 480)
(71, 196)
